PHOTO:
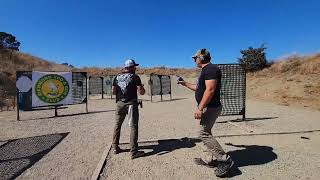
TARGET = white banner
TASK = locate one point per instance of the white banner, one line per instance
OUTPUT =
(51, 88)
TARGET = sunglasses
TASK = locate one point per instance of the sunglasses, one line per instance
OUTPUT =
(195, 59)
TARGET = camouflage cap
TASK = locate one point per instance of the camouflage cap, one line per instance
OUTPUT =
(202, 53)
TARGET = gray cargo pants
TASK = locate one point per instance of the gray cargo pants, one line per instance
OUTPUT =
(212, 145)
(121, 112)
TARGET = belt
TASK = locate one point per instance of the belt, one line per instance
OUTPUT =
(126, 100)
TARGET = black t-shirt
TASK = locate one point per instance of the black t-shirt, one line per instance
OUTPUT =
(126, 85)
(209, 72)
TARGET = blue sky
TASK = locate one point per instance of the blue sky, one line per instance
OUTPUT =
(164, 32)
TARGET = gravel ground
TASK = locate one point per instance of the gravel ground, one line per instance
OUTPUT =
(269, 157)
(77, 155)
(273, 150)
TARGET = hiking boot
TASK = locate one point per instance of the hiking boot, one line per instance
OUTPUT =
(137, 154)
(116, 150)
(223, 168)
(211, 164)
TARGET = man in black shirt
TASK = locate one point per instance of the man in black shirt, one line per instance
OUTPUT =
(125, 86)
(207, 94)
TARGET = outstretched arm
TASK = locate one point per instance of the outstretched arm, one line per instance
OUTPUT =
(190, 86)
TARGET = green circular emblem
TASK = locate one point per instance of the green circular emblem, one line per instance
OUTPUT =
(52, 88)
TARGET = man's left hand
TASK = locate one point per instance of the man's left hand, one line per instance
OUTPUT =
(198, 114)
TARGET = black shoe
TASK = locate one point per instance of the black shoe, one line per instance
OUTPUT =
(137, 154)
(223, 168)
(211, 164)
(116, 150)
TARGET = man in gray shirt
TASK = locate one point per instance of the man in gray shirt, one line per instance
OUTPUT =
(125, 86)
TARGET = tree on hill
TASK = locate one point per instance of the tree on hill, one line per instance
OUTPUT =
(253, 59)
(8, 41)
(69, 65)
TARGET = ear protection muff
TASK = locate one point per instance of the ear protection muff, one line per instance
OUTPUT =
(203, 51)
(201, 58)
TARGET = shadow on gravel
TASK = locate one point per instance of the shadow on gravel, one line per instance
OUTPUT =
(248, 119)
(169, 145)
(168, 100)
(248, 155)
(68, 115)
(77, 114)
(18, 155)
(251, 155)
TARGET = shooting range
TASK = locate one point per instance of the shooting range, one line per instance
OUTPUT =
(160, 85)
(37, 90)
(232, 92)
(101, 85)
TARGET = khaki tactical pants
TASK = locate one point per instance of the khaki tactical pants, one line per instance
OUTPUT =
(211, 144)
(121, 112)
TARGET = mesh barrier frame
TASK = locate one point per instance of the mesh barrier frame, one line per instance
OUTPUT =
(107, 85)
(161, 85)
(101, 85)
(233, 90)
(77, 82)
(95, 85)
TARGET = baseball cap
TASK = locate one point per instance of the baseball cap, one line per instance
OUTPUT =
(130, 63)
(202, 52)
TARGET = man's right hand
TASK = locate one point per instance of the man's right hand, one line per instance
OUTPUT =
(141, 89)
(183, 83)
(193, 87)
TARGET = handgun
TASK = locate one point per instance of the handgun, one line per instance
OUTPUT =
(179, 78)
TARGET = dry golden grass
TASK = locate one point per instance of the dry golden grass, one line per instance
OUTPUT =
(146, 71)
(12, 61)
(305, 65)
(291, 81)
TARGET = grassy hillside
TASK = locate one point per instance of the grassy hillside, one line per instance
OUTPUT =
(147, 71)
(11, 61)
(291, 81)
